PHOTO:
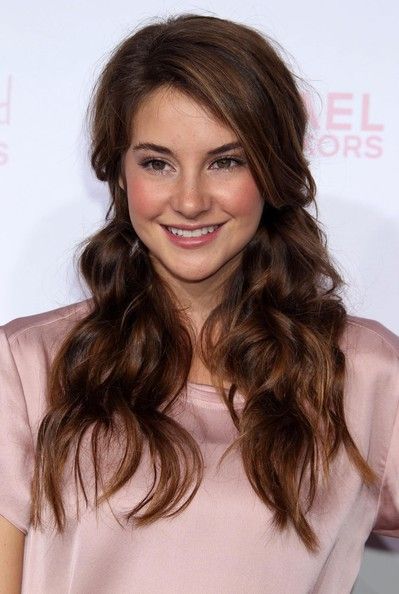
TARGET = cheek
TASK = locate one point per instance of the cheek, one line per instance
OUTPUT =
(139, 198)
(245, 199)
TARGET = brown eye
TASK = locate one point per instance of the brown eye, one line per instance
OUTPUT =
(228, 161)
(156, 165)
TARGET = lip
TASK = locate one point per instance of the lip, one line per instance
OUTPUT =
(192, 242)
(193, 227)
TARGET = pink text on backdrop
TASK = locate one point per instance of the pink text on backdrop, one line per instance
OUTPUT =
(5, 101)
(344, 112)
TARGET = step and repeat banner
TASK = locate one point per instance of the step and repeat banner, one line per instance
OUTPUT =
(51, 54)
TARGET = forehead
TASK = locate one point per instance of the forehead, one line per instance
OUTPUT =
(168, 115)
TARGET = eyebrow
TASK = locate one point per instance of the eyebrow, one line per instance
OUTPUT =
(164, 149)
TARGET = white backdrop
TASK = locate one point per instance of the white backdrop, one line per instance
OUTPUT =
(51, 53)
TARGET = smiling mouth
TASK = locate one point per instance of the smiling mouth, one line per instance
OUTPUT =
(186, 231)
(197, 232)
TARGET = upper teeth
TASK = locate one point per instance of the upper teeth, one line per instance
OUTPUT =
(194, 233)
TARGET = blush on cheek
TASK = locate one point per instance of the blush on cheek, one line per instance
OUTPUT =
(141, 200)
(245, 197)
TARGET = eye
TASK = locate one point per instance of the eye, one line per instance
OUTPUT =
(146, 165)
(157, 166)
(229, 160)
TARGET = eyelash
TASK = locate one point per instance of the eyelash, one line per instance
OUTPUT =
(146, 162)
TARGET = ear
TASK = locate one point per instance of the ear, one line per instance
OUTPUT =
(121, 183)
(122, 178)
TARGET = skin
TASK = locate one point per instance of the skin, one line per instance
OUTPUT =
(12, 541)
(189, 187)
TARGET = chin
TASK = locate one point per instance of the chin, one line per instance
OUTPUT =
(192, 275)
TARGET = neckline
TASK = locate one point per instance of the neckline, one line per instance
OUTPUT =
(207, 395)
(206, 387)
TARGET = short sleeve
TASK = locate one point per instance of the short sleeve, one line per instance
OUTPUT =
(16, 442)
(387, 518)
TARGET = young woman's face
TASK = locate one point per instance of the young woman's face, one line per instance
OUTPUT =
(188, 181)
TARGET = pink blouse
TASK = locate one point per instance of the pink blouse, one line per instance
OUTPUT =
(222, 543)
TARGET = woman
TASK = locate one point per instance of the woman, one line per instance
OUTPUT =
(211, 419)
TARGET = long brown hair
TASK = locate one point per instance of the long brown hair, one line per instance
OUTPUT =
(124, 363)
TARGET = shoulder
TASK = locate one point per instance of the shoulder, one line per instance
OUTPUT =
(372, 362)
(368, 338)
(34, 323)
(28, 345)
(42, 331)
(372, 384)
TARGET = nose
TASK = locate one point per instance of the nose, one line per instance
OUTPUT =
(190, 198)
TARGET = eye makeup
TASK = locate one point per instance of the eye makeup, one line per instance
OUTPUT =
(146, 163)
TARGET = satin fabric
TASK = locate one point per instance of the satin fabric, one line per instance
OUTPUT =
(224, 541)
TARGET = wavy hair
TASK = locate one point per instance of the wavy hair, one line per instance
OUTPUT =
(121, 367)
